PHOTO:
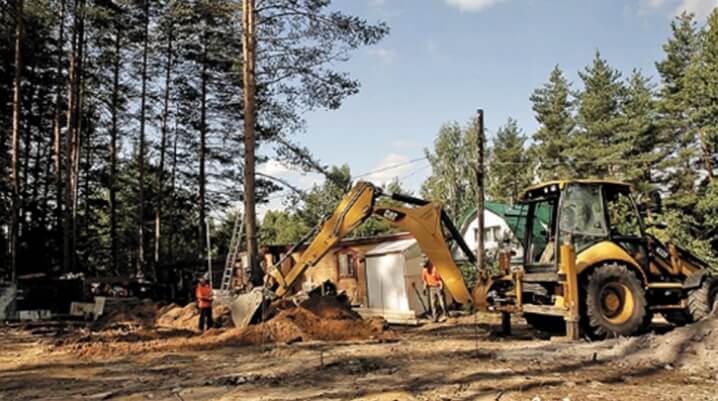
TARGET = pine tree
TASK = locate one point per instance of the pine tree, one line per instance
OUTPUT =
(510, 170)
(701, 84)
(598, 148)
(639, 140)
(678, 173)
(553, 106)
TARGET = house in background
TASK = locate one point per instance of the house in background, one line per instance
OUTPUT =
(500, 223)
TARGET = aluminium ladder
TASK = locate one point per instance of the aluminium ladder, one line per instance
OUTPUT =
(232, 253)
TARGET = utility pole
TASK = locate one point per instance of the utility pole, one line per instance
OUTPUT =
(250, 214)
(480, 259)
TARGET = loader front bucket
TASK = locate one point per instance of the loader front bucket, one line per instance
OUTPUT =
(246, 306)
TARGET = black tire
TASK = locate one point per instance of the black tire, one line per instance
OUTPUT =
(701, 301)
(545, 323)
(678, 317)
(615, 303)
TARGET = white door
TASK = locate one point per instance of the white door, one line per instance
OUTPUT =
(385, 282)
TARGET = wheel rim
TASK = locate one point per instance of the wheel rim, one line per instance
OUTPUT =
(616, 301)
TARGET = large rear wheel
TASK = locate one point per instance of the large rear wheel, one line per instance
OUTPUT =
(702, 300)
(615, 302)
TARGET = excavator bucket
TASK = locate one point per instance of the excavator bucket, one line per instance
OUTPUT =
(246, 306)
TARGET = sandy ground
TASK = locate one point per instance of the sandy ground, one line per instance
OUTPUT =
(462, 359)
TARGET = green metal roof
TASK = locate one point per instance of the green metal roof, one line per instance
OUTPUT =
(514, 216)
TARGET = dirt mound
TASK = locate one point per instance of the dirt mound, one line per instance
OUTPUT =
(321, 320)
(302, 324)
(147, 314)
(690, 347)
(142, 313)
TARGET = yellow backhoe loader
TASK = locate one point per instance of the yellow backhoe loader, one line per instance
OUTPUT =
(587, 262)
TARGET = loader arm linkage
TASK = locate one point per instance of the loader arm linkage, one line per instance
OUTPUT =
(424, 222)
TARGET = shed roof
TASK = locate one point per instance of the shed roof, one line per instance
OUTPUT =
(392, 247)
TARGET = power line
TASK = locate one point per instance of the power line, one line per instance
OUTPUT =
(390, 167)
(416, 171)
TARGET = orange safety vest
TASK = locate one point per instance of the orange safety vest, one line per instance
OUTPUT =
(204, 296)
(431, 279)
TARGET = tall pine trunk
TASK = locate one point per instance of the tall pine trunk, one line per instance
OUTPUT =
(706, 153)
(141, 152)
(113, 148)
(173, 186)
(203, 143)
(163, 145)
(56, 123)
(16, 111)
(249, 45)
(73, 125)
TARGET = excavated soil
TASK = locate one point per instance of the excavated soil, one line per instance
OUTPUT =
(141, 329)
(464, 358)
(147, 314)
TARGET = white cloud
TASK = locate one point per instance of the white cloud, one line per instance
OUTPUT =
(473, 5)
(274, 168)
(386, 56)
(392, 166)
(701, 8)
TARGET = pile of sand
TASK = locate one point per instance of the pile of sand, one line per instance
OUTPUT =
(302, 324)
(325, 319)
(142, 313)
(186, 318)
(147, 314)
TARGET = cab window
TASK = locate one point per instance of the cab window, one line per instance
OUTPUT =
(622, 215)
(541, 242)
(582, 215)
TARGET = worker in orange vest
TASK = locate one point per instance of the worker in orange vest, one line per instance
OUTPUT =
(434, 286)
(204, 303)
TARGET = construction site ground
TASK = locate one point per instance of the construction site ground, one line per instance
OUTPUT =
(463, 358)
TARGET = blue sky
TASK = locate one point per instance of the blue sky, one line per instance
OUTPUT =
(445, 58)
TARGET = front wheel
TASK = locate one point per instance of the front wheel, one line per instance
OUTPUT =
(615, 302)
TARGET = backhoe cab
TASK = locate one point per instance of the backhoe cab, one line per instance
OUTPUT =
(622, 274)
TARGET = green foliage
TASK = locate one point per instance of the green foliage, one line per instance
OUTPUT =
(701, 84)
(281, 227)
(453, 160)
(639, 140)
(598, 149)
(509, 169)
(553, 108)
(678, 170)
(200, 41)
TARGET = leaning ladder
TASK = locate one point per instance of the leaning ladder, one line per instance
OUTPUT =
(234, 248)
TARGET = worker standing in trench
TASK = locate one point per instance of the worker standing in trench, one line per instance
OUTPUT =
(435, 287)
(204, 303)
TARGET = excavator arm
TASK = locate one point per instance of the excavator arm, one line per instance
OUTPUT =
(425, 221)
